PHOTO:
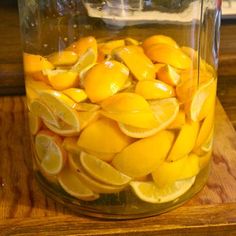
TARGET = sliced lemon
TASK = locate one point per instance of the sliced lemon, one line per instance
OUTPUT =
(62, 106)
(167, 54)
(76, 94)
(169, 172)
(144, 156)
(86, 60)
(165, 112)
(203, 100)
(103, 136)
(70, 144)
(35, 123)
(159, 39)
(169, 75)
(40, 109)
(62, 79)
(98, 187)
(103, 171)
(35, 63)
(105, 79)
(49, 151)
(130, 109)
(138, 63)
(154, 89)
(93, 184)
(63, 129)
(83, 74)
(149, 192)
(63, 58)
(70, 182)
(184, 142)
(82, 45)
(36, 86)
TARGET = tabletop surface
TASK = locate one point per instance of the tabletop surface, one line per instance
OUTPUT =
(24, 208)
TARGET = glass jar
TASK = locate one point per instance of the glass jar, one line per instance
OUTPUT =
(121, 99)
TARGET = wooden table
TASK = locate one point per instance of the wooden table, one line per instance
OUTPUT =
(25, 210)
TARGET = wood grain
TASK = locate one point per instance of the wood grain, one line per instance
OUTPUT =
(25, 210)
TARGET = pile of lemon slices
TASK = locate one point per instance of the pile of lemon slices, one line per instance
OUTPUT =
(120, 114)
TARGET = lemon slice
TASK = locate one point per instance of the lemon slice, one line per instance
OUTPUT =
(35, 123)
(165, 111)
(40, 109)
(93, 184)
(87, 59)
(149, 192)
(102, 171)
(131, 41)
(63, 58)
(203, 100)
(49, 151)
(70, 182)
(62, 106)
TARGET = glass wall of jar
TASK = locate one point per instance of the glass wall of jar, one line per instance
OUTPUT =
(121, 98)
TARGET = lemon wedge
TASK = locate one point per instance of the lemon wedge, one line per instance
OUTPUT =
(130, 109)
(72, 185)
(62, 107)
(103, 136)
(138, 63)
(154, 89)
(149, 192)
(50, 152)
(184, 142)
(102, 171)
(40, 109)
(169, 172)
(159, 39)
(76, 94)
(35, 123)
(165, 112)
(168, 54)
(105, 79)
(203, 100)
(63, 58)
(144, 156)
(94, 184)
